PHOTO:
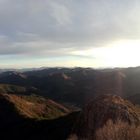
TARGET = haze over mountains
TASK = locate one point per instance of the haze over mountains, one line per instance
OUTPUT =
(52, 103)
(76, 85)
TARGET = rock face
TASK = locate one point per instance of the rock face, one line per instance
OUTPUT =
(104, 108)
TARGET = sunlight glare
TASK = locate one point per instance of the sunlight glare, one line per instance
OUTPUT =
(117, 54)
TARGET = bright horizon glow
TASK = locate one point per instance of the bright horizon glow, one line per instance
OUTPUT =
(124, 53)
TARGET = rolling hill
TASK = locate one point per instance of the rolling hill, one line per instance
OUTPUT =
(14, 108)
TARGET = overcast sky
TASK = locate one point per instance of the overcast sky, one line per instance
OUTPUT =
(95, 33)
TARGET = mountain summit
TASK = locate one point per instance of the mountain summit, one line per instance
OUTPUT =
(104, 108)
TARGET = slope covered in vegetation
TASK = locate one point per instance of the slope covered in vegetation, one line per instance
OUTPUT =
(32, 106)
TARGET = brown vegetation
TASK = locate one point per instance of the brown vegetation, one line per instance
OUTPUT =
(113, 131)
(118, 131)
(104, 108)
(35, 107)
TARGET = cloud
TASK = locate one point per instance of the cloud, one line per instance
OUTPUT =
(60, 13)
(56, 28)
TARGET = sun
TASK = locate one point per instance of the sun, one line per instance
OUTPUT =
(122, 53)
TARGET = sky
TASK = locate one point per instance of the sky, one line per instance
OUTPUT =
(69, 33)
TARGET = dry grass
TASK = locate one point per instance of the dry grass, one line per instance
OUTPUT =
(112, 131)
(36, 107)
(118, 131)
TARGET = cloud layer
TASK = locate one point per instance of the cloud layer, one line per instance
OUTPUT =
(57, 28)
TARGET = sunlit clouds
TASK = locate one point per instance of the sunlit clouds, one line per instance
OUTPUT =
(122, 53)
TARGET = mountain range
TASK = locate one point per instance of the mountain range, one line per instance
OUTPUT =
(68, 103)
(77, 86)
